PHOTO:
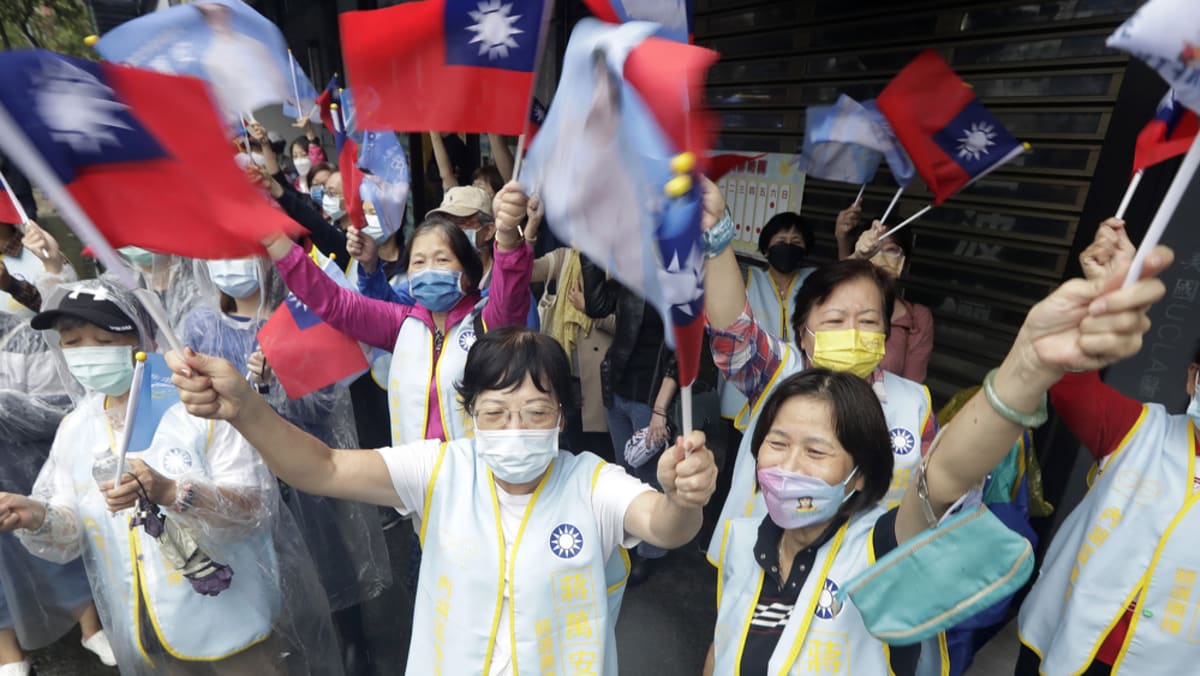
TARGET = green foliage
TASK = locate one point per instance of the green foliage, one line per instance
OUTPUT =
(58, 25)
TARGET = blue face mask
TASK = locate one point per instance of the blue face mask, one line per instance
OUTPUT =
(438, 290)
(237, 278)
(317, 193)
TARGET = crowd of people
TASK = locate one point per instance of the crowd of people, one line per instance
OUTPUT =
(520, 419)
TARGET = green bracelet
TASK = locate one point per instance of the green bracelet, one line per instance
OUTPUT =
(1007, 412)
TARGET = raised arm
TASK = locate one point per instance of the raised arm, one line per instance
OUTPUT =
(212, 388)
(374, 322)
(445, 169)
(502, 155)
(672, 518)
(1083, 325)
(724, 288)
(508, 301)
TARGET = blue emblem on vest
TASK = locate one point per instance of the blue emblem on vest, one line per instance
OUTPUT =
(176, 462)
(566, 541)
(827, 603)
(903, 441)
(466, 339)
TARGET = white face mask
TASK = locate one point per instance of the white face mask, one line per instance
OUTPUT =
(303, 164)
(236, 278)
(258, 159)
(107, 369)
(473, 236)
(374, 228)
(517, 456)
(332, 206)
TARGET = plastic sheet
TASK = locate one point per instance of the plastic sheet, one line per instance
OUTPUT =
(272, 619)
(345, 538)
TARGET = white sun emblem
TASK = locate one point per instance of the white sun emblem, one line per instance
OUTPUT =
(976, 140)
(494, 29)
(903, 441)
(682, 283)
(78, 109)
(566, 541)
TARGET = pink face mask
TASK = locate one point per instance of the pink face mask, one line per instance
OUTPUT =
(797, 500)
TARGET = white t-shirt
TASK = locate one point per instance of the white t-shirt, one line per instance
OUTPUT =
(411, 468)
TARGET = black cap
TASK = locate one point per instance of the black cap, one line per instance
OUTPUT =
(90, 305)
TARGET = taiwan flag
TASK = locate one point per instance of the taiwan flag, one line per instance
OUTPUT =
(537, 115)
(444, 65)
(306, 353)
(142, 153)
(623, 112)
(1168, 134)
(952, 139)
(10, 211)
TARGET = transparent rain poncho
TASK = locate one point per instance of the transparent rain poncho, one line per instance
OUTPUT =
(172, 279)
(345, 537)
(40, 600)
(273, 617)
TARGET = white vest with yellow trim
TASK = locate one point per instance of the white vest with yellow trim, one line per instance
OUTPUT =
(189, 625)
(822, 636)
(1136, 531)
(907, 410)
(381, 360)
(773, 311)
(413, 367)
(27, 267)
(560, 594)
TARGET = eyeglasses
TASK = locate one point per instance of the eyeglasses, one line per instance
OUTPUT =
(536, 416)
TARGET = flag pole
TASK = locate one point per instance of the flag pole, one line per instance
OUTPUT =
(547, 8)
(860, 193)
(1133, 186)
(685, 403)
(1183, 177)
(23, 153)
(12, 196)
(895, 198)
(906, 221)
(135, 389)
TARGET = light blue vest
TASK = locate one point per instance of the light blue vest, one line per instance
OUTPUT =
(1133, 538)
(191, 626)
(560, 595)
(408, 380)
(773, 311)
(821, 635)
(907, 411)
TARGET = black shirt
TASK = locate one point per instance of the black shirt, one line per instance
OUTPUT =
(640, 379)
(777, 598)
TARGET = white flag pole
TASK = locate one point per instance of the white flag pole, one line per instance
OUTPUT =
(888, 212)
(685, 404)
(12, 196)
(1183, 177)
(135, 389)
(860, 193)
(520, 154)
(26, 156)
(1133, 186)
(906, 221)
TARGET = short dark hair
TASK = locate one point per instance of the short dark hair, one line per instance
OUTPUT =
(302, 142)
(502, 358)
(783, 222)
(318, 168)
(858, 422)
(462, 247)
(491, 174)
(824, 280)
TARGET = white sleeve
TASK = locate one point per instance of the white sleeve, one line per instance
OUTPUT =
(615, 491)
(411, 468)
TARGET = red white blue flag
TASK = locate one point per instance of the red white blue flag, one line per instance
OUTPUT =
(673, 16)
(1168, 134)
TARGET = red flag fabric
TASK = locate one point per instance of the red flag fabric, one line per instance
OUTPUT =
(719, 165)
(142, 153)
(324, 100)
(670, 78)
(306, 353)
(1168, 134)
(443, 65)
(952, 139)
(352, 178)
(8, 210)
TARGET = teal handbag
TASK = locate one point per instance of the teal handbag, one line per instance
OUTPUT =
(943, 576)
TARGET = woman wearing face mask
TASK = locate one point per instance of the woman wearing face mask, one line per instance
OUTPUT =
(429, 339)
(344, 537)
(232, 590)
(520, 537)
(1116, 591)
(823, 461)
(910, 341)
(306, 153)
(840, 322)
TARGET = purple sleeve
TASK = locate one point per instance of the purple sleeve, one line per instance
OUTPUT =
(508, 297)
(374, 322)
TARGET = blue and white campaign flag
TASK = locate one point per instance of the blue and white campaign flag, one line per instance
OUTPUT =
(886, 142)
(847, 141)
(1166, 35)
(302, 97)
(156, 394)
(385, 181)
(241, 54)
